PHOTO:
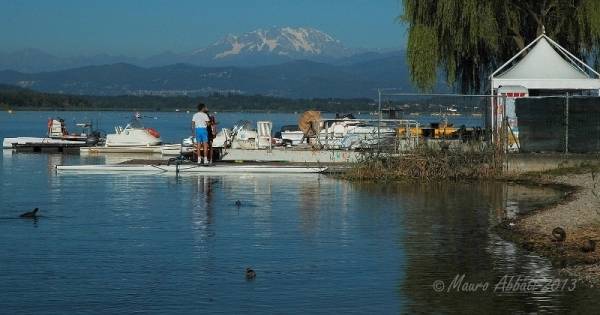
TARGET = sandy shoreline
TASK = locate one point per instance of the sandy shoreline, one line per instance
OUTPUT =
(578, 214)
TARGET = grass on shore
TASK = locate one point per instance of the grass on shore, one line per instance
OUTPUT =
(425, 163)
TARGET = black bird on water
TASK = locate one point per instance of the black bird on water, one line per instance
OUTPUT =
(30, 215)
(238, 203)
(559, 234)
(250, 274)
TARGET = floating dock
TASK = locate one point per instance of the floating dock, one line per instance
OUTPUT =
(293, 155)
(188, 169)
(32, 144)
(165, 149)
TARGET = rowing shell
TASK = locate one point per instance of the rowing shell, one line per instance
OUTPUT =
(197, 169)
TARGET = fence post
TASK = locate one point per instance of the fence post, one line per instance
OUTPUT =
(567, 124)
(505, 134)
(379, 121)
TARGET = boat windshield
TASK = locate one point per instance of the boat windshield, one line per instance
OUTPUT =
(135, 124)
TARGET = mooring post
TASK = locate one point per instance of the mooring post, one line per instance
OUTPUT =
(567, 124)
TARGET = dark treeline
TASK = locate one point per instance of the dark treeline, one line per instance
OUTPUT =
(16, 98)
(13, 97)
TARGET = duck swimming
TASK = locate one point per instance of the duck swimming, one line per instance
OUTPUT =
(250, 274)
(31, 214)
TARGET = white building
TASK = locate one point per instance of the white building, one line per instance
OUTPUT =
(542, 68)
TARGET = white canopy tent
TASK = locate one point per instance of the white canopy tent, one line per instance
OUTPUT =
(541, 65)
(545, 65)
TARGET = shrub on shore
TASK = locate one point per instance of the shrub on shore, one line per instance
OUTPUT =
(426, 163)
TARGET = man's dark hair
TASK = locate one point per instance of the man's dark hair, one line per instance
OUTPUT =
(201, 106)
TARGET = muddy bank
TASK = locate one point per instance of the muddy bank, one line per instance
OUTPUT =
(578, 213)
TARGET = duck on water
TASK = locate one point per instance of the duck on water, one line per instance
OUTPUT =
(250, 274)
(30, 214)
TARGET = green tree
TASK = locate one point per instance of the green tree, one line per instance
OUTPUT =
(468, 39)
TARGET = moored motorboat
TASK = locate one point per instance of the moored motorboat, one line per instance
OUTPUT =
(133, 138)
(57, 137)
(134, 134)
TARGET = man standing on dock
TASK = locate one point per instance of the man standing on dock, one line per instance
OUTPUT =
(199, 129)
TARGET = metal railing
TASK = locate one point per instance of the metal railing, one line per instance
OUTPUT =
(402, 131)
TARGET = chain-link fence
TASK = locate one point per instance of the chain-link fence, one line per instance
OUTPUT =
(450, 119)
(568, 124)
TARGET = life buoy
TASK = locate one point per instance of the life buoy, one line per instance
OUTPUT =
(153, 132)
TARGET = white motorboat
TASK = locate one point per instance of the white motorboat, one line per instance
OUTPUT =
(340, 133)
(290, 135)
(243, 136)
(353, 134)
(333, 134)
(133, 135)
(57, 137)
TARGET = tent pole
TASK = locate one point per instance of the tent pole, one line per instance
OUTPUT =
(572, 56)
(517, 55)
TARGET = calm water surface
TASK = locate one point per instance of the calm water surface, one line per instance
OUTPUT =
(162, 244)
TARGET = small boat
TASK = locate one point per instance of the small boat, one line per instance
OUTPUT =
(341, 133)
(133, 135)
(57, 137)
(188, 168)
(58, 130)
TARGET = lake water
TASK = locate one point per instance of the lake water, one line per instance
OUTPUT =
(165, 244)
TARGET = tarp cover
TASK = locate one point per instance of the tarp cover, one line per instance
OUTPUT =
(543, 124)
(543, 62)
(544, 68)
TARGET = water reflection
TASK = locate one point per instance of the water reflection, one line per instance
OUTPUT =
(309, 207)
(450, 234)
(318, 244)
(201, 202)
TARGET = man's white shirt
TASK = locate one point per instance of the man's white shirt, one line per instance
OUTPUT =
(200, 119)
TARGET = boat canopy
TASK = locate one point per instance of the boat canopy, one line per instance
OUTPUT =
(545, 65)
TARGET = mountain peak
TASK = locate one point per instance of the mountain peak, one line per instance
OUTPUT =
(281, 42)
(262, 46)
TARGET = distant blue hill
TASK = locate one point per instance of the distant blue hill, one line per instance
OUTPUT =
(358, 77)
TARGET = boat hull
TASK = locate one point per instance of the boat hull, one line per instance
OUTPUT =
(132, 138)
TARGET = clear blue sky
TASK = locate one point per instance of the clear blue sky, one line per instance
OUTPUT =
(145, 27)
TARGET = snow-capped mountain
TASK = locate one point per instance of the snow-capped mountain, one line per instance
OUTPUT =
(260, 47)
(270, 46)
(286, 41)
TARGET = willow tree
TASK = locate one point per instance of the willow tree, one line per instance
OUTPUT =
(467, 39)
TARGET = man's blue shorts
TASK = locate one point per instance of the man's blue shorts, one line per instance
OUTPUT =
(201, 135)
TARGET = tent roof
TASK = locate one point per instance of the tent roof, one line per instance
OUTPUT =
(546, 65)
